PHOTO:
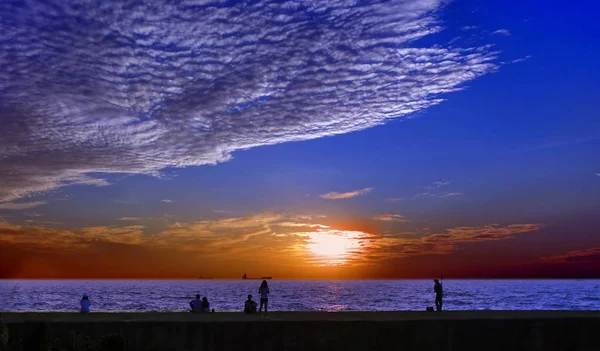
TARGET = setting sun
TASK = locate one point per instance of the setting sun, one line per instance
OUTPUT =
(333, 247)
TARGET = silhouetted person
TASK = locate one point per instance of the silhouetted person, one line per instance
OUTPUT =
(196, 305)
(205, 305)
(250, 305)
(85, 304)
(439, 294)
(264, 296)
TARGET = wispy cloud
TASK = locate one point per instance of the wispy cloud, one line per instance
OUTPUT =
(503, 32)
(564, 142)
(133, 234)
(450, 194)
(425, 195)
(347, 195)
(301, 224)
(390, 218)
(221, 212)
(21, 205)
(598, 174)
(192, 95)
(521, 59)
(133, 219)
(33, 214)
(30, 221)
(445, 243)
(436, 185)
(395, 199)
(467, 28)
(167, 201)
(584, 255)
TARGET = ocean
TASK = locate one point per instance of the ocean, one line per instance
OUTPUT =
(300, 295)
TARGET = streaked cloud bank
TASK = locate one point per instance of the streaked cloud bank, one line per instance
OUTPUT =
(293, 242)
(91, 87)
(584, 255)
(21, 205)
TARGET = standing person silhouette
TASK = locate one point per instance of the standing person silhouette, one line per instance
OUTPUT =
(439, 294)
(264, 296)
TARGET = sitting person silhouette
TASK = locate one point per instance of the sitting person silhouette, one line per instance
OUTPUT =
(205, 305)
(85, 304)
(250, 305)
(196, 305)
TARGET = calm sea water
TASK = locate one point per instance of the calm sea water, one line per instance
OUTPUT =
(301, 295)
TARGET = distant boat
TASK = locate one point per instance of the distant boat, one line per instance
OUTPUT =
(261, 278)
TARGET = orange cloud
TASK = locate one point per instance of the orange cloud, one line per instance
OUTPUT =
(584, 255)
(390, 218)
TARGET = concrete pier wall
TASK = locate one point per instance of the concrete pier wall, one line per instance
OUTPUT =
(311, 331)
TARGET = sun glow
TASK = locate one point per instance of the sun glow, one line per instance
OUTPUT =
(333, 246)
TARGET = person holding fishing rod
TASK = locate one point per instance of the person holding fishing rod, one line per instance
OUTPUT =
(439, 293)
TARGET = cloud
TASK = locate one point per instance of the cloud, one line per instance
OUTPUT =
(390, 218)
(426, 195)
(221, 212)
(130, 219)
(385, 247)
(563, 142)
(38, 236)
(42, 222)
(52, 239)
(585, 255)
(93, 88)
(483, 233)
(598, 174)
(450, 194)
(33, 214)
(21, 205)
(466, 28)
(167, 201)
(503, 32)
(229, 230)
(348, 195)
(521, 59)
(133, 234)
(437, 185)
(301, 225)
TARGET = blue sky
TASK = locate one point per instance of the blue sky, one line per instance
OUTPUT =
(515, 141)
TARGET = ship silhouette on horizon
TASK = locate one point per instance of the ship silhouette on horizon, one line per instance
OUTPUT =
(261, 278)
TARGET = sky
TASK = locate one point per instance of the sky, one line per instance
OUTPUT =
(347, 139)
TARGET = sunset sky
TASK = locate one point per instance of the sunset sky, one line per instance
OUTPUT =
(299, 139)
